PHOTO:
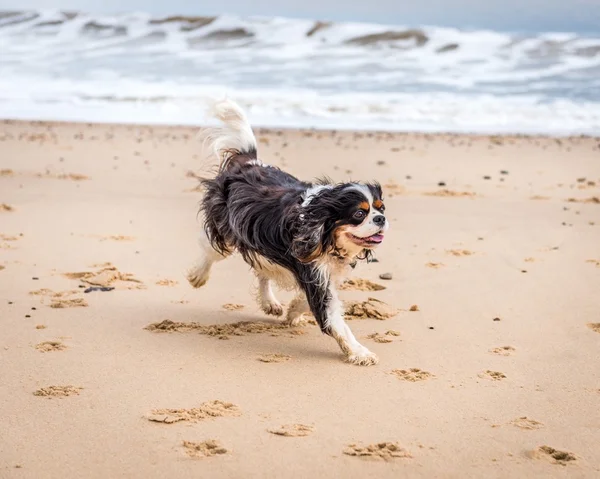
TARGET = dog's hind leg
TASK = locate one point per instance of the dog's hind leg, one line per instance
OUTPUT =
(198, 275)
(268, 301)
(297, 308)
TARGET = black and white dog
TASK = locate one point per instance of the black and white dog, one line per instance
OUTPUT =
(301, 236)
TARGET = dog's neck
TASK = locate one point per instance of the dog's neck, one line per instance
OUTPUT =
(343, 258)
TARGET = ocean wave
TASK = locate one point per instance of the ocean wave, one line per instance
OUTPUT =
(379, 73)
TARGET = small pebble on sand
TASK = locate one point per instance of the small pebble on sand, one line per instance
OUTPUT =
(385, 276)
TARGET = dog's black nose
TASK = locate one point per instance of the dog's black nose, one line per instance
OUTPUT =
(379, 220)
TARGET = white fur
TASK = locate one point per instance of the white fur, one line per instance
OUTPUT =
(235, 134)
(268, 301)
(198, 275)
(311, 192)
(356, 353)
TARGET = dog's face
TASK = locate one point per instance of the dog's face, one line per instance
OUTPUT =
(347, 219)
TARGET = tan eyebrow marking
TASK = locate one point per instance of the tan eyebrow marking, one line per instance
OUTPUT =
(378, 204)
(364, 205)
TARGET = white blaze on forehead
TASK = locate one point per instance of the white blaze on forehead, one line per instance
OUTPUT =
(313, 191)
(364, 190)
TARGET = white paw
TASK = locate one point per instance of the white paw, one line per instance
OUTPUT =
(273, 308)
(294, 321)
(198, 277)
(363, 357)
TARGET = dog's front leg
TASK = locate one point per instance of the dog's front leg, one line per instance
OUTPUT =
(328, 310)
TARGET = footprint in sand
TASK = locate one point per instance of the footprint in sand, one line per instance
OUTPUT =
(5, 207)
(58, 391)
(292, 430)
(274, 358)
(117, 238)
(232, 306)
(493, 375)
(208, 448)
(372, 308)
(61, 299)
(48, 346)
(503, 350)
(591, 199)
(9, 239)
(526, 423)
(553, 455)
(387, 337)
(359, 284)
(62, 176)
(594, 327)
(451, 193)
(434, 265)
(595, 262)
(166, 282)
(386, 451)
(206, 410)
(69, 303)
(459, 252)
(107, 275)
(412, 375)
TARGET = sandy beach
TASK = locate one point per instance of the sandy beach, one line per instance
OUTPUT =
(489, 361)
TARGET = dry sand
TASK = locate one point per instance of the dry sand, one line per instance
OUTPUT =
(495, 374)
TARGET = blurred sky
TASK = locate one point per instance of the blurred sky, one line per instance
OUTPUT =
(513, 15)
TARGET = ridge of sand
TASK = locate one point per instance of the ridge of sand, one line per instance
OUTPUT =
(58, 391)
(209, 409)
(386, 451)
(240, 328)
(292, 430)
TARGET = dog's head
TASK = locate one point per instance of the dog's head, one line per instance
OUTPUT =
(346, 219)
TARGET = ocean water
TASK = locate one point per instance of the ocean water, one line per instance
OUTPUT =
(297, 73)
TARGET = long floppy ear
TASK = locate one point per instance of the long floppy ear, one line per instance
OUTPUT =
(307, 244)
(313, 232)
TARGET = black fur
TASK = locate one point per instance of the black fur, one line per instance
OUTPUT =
(257, 210)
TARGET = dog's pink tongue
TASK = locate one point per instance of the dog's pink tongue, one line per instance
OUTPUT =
(376, 238)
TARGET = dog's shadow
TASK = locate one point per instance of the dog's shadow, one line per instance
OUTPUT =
(284, 342)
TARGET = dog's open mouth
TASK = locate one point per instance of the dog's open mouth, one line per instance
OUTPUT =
(372, 240)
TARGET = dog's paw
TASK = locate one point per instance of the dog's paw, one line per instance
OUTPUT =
(363, 358)
(292, 322)
(272, 308)
(197, 277)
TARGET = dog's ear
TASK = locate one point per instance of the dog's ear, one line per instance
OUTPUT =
(313, 231)
(307, 244)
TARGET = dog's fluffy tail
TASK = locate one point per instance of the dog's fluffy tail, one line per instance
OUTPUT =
(235, 138)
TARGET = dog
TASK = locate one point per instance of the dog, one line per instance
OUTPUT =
(299, 235)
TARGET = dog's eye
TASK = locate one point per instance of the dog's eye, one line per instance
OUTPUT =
(382, 208)
(359, 215)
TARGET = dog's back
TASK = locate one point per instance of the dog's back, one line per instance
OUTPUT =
(245, 204)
